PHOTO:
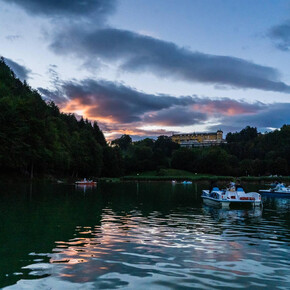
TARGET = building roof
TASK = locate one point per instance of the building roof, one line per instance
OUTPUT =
(200, 133)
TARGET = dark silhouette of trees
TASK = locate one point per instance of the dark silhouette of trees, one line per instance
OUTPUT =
(123, 142)
(246, 153)
(35, 138)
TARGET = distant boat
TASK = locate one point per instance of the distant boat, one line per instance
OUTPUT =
(85, 182)
(229, 196)
(186, 182)
(280, 189)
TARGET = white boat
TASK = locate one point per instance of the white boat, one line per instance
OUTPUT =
(229, 196)
(280, 188)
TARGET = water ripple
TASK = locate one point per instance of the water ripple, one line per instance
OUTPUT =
(185, 247)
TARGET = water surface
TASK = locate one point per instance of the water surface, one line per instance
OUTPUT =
(138, 236)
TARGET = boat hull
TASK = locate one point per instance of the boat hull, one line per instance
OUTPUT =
(85, 183)
(228, 203)
(274, 193)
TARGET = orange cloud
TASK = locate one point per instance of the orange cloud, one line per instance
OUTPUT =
(225, 107)
(75, 106)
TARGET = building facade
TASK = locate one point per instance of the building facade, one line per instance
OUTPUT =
(199, 139)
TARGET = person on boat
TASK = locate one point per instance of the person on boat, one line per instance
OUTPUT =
(278, 185)
(238, 185)
(232, 186)
(213, 184)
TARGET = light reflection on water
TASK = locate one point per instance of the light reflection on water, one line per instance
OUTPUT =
(159, 237)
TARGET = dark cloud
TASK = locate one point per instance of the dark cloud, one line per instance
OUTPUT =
(115, 103)
(21, 71)
(271, 116)
(176, 116)
(280, 34)
(226, 106)
(118, 102)
(81, 31)
(123, 110)
(55, 96)
(139, 53)
(66, 8)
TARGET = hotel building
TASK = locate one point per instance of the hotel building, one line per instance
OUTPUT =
(199, 139)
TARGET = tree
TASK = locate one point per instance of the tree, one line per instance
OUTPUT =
(124, 142)
(113, 162)
(165, 144)
(244, 135)
(184, 159)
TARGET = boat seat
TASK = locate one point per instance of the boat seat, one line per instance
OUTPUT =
(215, 189)
(240, 189)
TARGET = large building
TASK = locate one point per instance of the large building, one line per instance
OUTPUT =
(199, 139)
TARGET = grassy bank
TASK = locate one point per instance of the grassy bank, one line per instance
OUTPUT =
(180, 175)
(157, 175)
(173, 174)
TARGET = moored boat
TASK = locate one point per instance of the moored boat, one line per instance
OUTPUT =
(86, 182)
(186, 182)
(279, 189)
(230, 196)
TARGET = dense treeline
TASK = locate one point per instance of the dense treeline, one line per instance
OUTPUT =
(246, 153)
(35, 138)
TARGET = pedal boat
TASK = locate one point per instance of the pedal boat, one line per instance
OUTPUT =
(228, 197)
(280, 189)
(85, 182)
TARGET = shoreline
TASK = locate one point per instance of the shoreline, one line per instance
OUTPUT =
(196, 178)
(143, 177)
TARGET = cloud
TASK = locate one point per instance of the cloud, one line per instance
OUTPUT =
(21, 71)
(66, 8)
(81, 31)
(228, 107)
(13, 37)
(123, 110)
(55, 96)
(176, 116)
(115, 102)
(280, 34)
(139, 53)
(273, 115)
(114, 131)
(120, 106)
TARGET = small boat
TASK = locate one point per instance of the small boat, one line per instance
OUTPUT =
(186, 182)
(230, 196)
(85, 182)
(279, 189)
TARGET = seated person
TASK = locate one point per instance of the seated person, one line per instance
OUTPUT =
(213, 186)
(238, 187)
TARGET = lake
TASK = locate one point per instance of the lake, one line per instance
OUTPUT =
(138, 236)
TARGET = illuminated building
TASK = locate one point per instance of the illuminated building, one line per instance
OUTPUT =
(199, 139)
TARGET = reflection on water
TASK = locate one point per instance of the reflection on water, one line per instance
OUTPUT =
(140, 236)
(85, 188)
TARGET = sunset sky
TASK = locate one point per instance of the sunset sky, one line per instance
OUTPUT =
(152, 67)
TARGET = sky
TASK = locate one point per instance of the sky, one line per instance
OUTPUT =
(155, 67)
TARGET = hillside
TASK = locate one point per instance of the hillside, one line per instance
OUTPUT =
(36, 138)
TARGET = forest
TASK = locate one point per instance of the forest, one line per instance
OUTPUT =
(37, 139)
(246, 153)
